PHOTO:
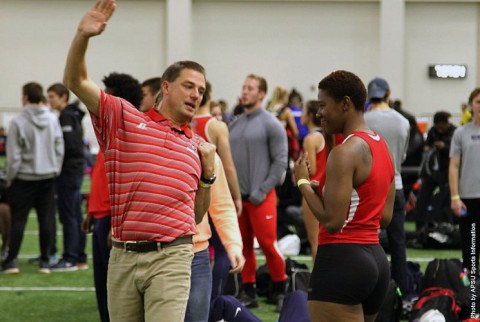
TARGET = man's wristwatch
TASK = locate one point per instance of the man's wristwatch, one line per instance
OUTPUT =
(208, 181)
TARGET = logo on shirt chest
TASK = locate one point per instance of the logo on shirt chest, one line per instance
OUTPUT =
(375, 137)
(192, 148)
(142, 126)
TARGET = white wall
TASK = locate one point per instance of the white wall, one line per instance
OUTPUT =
(439, 33)
(291, 44)
(35, 36)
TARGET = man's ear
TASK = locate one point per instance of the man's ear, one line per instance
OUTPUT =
(165, 87)
(65, 97)
(262, 95)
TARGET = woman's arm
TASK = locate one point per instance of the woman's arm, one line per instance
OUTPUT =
(341, 165)
(313, 143)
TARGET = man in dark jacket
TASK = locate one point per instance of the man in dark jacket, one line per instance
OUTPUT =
(69, 181)
(435, 170)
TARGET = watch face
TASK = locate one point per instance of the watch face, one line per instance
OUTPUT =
(208, 180)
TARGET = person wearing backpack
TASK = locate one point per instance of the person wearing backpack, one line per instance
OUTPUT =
(435, 170)
(351, 273)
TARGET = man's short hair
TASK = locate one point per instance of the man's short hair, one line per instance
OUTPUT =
(33, 91)
(262, 82)
(473, 94)
(153, 84)
(206, 95)
(173, 71)
(60, 90)
(124, 86)
(441, 117)
(341, 83)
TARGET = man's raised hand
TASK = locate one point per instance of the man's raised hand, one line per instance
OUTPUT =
(95, 20)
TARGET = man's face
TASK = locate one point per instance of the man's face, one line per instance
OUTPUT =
(442, 127)
(476, 106)
(183, 96)
(330, 113)
(56, 102)
(251, 95)
(148, 99)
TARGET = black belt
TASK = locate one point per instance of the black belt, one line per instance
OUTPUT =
(149, 246)
(245, 197)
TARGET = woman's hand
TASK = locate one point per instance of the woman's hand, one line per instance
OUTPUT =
(301, 170)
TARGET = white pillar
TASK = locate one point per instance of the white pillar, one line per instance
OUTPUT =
(179, 30)
(392, 45)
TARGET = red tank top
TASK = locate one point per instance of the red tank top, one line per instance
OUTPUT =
(338, 139)
(320, 164)
(367, 201)
(199, 126)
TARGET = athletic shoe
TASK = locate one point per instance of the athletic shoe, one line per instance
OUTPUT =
(44, 268)
(10, 268)
(248, 301)
(82, 266)
(63, 266)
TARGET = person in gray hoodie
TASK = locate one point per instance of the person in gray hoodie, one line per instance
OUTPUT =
(35, 152)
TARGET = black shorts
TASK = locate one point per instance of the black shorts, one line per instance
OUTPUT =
(350, 274)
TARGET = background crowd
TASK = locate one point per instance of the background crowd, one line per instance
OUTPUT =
(202, 215)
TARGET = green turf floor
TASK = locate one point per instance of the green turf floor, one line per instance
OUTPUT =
(69, 296)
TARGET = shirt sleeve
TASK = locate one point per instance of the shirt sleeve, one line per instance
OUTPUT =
(109, 120)
(456, 145)
(278, 148)
(60, 146)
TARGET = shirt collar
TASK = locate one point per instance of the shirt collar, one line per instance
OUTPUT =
(157, 117)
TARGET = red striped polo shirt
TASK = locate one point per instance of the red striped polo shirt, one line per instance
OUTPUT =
(153, 172)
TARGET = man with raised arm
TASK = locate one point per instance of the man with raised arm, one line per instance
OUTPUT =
(159, 177)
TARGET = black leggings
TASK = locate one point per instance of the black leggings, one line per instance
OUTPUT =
(350, 274)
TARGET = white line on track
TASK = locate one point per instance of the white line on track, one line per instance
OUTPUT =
(68, 289)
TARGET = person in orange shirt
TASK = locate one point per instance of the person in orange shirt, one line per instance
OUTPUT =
(223, 214)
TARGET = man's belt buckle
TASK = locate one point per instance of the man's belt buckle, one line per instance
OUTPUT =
(127, 246)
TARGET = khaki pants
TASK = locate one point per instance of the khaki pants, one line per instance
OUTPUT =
(151, 286)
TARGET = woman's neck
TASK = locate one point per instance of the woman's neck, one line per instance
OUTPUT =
(312, 127)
